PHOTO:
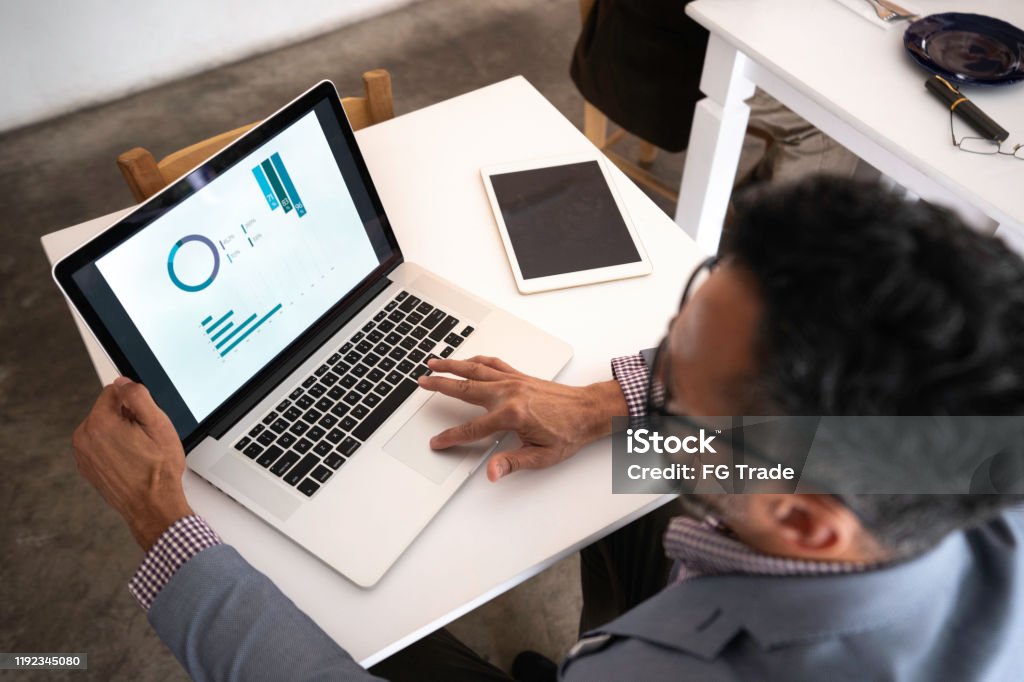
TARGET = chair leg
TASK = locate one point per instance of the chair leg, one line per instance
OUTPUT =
(642, 176)
(648, 152)
(595, 125)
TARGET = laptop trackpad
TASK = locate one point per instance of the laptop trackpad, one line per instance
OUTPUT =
(411, 445)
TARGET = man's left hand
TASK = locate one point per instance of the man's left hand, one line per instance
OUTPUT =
(128, 449)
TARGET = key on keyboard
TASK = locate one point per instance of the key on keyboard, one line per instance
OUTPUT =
(307, 437)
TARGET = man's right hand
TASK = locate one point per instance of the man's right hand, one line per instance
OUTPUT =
(552, 420)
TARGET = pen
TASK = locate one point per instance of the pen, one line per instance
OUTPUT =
(965, 109)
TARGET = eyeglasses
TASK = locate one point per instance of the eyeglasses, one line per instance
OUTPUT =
(981, 145)
(658, 395)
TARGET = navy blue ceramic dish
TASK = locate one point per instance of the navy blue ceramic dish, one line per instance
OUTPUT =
(967, 48)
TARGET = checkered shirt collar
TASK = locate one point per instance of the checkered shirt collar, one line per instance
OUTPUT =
(706, 548)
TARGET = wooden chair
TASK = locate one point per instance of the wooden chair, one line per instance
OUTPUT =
(146, 176)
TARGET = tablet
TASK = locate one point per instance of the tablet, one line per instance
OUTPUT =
(563, 224)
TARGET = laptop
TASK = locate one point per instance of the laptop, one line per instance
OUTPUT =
(264, 301)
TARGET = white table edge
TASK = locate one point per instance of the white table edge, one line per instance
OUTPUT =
(515, 581)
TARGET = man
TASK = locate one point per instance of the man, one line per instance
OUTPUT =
(830, 298)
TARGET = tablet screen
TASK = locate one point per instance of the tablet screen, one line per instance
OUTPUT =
(562, 219)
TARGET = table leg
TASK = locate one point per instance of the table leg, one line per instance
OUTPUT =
(716, 140)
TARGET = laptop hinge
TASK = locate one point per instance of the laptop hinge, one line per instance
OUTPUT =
(281, 372)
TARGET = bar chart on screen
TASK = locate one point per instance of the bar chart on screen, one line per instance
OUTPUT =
(224, 334)
(276, 184)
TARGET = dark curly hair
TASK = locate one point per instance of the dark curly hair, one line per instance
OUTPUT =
(879, 305)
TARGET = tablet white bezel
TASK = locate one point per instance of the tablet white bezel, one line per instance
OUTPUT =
(567, 279)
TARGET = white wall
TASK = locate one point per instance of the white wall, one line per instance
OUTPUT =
(60, 55)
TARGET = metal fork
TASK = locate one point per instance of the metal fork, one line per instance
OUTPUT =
(901, 13)
(884, 13)
(888, 12)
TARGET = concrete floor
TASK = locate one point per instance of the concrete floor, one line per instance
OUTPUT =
(67, 557)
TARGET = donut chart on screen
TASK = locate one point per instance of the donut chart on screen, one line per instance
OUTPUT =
(174, 251)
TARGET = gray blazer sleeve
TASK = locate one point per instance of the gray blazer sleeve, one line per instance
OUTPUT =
(224, 620)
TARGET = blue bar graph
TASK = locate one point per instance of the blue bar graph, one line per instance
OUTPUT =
(275, 184)
(207, 320)
(237, 329)
(286, 180)
(250, 330)
(209, 330)
(261, 180)
(222, 330)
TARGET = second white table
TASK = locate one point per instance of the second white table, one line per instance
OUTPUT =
(855, 82)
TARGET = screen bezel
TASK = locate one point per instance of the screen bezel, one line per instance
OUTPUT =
(252, 391)
(567, 279)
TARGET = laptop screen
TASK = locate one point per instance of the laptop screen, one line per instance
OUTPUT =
(204, 296)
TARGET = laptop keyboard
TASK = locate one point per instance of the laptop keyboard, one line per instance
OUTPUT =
(330, 414)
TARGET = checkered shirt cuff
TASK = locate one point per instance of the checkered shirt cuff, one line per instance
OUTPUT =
(631, 372)
(185, 538)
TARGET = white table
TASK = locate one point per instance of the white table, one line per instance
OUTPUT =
(854, 81)
(490, 537)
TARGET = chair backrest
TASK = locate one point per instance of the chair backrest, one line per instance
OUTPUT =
(146, 176)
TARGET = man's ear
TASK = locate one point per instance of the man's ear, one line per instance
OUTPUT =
(816, 527)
